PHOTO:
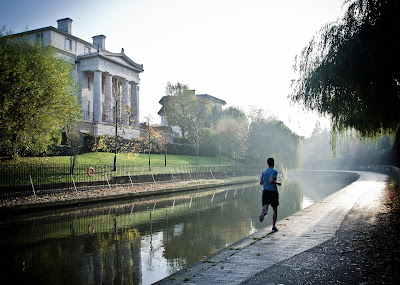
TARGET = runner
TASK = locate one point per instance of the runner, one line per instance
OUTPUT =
(270, 194)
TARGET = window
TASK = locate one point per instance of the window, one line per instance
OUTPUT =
(88, 109)
(68, 44)
(39, 37)
(87, 50)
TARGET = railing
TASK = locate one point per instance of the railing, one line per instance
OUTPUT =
(391, 170)
(26, 179)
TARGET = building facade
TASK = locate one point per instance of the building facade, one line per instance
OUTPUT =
(109, 82)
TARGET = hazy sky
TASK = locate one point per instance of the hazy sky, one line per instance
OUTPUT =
(238, 51)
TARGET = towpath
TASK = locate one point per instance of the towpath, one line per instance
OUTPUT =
(342, 239)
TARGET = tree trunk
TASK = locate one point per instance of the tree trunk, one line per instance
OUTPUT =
(14, 147)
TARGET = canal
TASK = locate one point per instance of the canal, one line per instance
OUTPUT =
(144, 240)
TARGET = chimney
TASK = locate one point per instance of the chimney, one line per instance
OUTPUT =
(100, 41)
(65, 25)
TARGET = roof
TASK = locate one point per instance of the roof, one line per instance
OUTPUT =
(211, 98)
(201, 96)
(101, 52)
(119, 58)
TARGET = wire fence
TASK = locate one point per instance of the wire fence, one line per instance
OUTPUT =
(26, 179)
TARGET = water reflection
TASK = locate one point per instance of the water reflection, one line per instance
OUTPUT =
(143, 241)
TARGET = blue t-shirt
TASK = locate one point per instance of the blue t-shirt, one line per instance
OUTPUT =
(266, 174)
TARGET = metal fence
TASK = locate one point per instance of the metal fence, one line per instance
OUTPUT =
(26, 179)
(391, 170)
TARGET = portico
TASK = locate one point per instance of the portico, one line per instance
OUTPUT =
(110, 92)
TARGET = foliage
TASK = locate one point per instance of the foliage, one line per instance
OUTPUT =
(37, 95)
(153, 140)
(271, 138)
(190, 149)
(231, 136)
(351, 71)
(185, 110)
(106, 143)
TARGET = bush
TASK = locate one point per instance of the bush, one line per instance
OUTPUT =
(190, 149)
(59, 150)
(88, 143)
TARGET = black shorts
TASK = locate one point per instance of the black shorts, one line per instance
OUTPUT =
(270, 198)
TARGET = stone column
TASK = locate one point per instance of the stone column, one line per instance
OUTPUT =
(135, 104)
(109, 99)
(125, 103)
(97, 106)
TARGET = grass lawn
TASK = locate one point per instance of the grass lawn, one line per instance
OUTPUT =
(126, 159)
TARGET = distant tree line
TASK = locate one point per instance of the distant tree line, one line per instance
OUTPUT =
(249, 138)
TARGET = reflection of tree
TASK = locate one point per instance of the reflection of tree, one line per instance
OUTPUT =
(292, 193)
(38, 266)
(104, 258)
(206, 232)
(119, 258)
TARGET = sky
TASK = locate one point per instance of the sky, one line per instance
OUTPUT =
(241, 51)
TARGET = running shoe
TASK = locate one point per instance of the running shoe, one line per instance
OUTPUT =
(274, 229)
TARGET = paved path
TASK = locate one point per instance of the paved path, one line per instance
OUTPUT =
(287, 256)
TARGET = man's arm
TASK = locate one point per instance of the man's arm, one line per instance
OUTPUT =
(273, 181)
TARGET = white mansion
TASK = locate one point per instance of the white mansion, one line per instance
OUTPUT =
(109, 82)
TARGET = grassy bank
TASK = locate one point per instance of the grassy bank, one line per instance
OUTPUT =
(125, 159)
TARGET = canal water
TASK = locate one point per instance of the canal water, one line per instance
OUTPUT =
(143, 241)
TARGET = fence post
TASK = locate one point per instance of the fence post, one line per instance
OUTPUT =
(76, 191)
(212, 174)
(105, 174)
(130, 179)
(33, 188)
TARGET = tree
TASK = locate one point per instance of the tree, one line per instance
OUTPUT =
(185, 110)
(154, 140)
(73, 141)
(271, 138)
(231, 134)
(37, 95)
(350, 72)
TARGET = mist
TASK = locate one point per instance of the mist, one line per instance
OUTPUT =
(317, 151)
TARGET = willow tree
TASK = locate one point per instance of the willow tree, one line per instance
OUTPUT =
(37, 95)
(350, 71)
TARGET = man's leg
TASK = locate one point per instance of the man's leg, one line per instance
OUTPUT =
(275, 215)
(264, 212)
(266, 209)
